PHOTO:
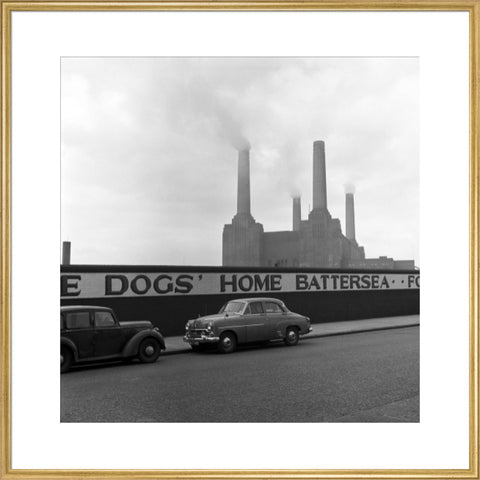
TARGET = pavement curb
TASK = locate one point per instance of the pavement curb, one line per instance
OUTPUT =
(363, 330)
(187, 349)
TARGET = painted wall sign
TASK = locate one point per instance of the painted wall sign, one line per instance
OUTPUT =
(104, 285)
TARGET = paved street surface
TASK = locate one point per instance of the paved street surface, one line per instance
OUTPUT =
(359, 377)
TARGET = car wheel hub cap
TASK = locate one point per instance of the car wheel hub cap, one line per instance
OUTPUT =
(149, 350)
(291, 335)
(227, 342)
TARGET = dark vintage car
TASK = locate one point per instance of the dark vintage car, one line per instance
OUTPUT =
(89, 333)
(247, 320)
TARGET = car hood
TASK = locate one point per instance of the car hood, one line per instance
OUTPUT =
(139, 323)
(202, 322)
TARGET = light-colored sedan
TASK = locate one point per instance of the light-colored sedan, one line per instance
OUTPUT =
(247, 320)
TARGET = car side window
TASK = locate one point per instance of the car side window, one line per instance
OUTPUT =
(247, 311)
(256, 307)
(75, 320)
(271, 307)
(104, 319)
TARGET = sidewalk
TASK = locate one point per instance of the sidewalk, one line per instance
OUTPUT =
(177, 345)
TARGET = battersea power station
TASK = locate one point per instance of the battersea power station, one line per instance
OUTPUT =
(315, 242)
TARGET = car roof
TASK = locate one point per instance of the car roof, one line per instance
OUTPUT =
(70, 308)
(257, 299)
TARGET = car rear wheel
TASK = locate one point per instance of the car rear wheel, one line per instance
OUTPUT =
(291, 336)
(149, 350)
(227, 343)
(66, 359)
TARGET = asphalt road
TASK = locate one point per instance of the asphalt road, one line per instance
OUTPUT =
(362, 377)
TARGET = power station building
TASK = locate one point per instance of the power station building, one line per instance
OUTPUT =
(315, 242)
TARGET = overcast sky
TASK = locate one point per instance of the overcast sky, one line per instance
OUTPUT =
(149, 158)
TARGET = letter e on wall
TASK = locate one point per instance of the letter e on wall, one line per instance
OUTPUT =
(69, 285)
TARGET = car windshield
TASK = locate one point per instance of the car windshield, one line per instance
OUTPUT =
(232, 307)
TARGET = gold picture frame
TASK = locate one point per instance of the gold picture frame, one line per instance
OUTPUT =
(470, 6)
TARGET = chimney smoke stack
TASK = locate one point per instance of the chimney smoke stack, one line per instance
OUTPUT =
(243, 192)
(297, 213)
(319, 175)
(66, 253)
(349, 217)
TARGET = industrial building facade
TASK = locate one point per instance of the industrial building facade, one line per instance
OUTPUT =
(315, 242)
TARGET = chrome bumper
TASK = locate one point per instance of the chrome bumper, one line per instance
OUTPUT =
(201, 339)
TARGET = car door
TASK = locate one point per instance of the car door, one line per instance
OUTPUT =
(254, 318)
(109, 337)
(274, 316)
(78, 328)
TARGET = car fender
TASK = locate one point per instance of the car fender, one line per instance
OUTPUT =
(68, 343)
(238, 329)
(131, 348)
(294, 320)
(289, 322)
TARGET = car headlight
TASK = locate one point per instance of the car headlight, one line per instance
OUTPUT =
(209, 327)
(187, 326)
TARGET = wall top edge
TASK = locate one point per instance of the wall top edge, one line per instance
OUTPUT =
(214, 269)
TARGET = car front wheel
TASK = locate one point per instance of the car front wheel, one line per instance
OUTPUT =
(291, 336)
(227, 343)
(149, 350)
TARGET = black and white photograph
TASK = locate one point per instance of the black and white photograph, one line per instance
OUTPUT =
(240, 239)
